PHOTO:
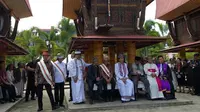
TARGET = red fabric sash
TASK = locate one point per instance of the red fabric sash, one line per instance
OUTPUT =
(159, 83)
(152, 70)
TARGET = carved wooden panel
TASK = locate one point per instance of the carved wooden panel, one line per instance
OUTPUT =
(4, 22)
(195, 23)
(182, 32)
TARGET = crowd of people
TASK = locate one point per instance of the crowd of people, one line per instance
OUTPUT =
(157, 79)
(161, 79)
(12, 82)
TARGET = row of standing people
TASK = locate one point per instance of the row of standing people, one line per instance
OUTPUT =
(187, 74)
(158, 81)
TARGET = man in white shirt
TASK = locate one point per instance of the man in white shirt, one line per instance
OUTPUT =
(60, 75)
(76, 68)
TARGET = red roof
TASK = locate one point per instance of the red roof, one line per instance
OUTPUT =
(10, 48)
(183, 47)
(171, 9)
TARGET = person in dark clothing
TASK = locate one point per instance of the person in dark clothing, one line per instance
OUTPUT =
(20, 79)
(94, 77)
(196, 70)
(165, 75)
(179, 74)
(185, 70)
(31, 88)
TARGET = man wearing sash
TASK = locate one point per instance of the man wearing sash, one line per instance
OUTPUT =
(76, 68)
(166, 78)
(108, 80)
(152, 72)
(139, 75)
(60, 75)
(44, 76)
(125, 85)
(94, 77)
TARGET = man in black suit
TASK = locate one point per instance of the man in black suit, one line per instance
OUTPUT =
(94, 77)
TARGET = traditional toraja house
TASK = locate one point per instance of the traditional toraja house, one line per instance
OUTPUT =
(17, 9)
(115, 25)
(183, 19)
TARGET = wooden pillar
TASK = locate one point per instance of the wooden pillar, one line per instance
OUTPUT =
(3, 58)
(86, 56)
(98, 51)
(90, 53)
(182, 54)
(111, 54)
(131, 52)
(120, 47)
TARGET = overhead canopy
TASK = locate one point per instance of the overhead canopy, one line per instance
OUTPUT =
(171, 9)
(19, 8)
(70, 6)
(82, 43)
(10, 48)
(189, 47)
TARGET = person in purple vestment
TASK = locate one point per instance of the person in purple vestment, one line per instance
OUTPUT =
(166, 79)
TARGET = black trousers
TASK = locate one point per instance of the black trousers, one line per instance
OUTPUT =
(144, 79)
(40, 95)
(11, 92)
(91, 86)
(59, 93)
(70, 85)
(30, 88)
(107, 92)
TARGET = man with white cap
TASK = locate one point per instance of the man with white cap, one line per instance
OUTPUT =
(76, 68)
(60, 76)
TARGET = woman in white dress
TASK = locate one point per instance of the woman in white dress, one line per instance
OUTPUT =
(152, 72)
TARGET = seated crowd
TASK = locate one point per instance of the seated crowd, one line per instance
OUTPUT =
(156, 77)
(12, 82)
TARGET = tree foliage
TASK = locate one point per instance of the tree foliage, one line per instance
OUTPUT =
(34, 41)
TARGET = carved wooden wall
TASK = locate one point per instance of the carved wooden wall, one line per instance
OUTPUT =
(5, 21)
(187, 28)
(124, 16)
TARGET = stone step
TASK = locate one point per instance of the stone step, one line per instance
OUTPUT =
(140, 104)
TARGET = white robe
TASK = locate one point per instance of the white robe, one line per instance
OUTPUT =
(154, 91)
(126, 90)
(78, 94)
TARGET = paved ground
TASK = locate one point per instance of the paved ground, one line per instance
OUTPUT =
(32, 106)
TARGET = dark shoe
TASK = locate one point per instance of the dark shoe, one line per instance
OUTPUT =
(55, 107)
(111, 99)
(26, 100)
(123, 101)
(39, 110)
(2, 102)
(33, 99)
(62, 106)
(19, 96)
(12, 101)
(91, 101)
(100, 98)
(70, 100)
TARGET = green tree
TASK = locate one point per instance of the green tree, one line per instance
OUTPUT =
(67, 31)
(156, 29)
